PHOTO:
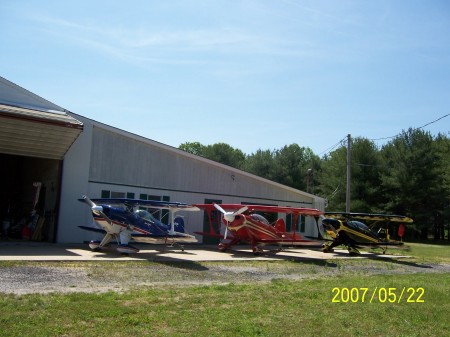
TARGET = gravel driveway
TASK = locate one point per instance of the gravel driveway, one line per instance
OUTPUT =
(45, 277)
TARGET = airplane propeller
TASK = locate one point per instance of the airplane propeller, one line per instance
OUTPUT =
(320, 229)
(229, 216)
(97, 209)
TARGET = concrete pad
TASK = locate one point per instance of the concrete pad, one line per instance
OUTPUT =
(36, 251)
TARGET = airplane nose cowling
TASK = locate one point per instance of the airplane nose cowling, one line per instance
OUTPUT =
(237, 222)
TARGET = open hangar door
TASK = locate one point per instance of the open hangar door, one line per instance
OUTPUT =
(29, 197)
(32, 148)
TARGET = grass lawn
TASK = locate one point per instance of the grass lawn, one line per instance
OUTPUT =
(346, 304)
(429, 252)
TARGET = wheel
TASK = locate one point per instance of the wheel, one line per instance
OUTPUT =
(353, 251)
(222, 247)
(257, 251)
(326, 248)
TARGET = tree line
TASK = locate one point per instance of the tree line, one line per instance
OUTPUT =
(409, 175)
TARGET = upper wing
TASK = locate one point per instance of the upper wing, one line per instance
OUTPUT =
(264, 208)
(147, 203)
(368, 216)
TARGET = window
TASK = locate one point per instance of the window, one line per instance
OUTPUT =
(113, 195)
(116, 195)
(299, 226)
(161, 215)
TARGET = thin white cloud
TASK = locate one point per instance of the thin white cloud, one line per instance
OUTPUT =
(180, 45)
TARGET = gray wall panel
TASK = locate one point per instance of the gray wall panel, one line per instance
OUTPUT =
(122, 160)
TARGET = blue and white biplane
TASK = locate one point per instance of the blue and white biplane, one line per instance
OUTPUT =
(122, 220)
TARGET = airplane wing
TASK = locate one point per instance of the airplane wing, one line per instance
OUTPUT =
(368, 216)
(147, 203)
(213, 235)
(133, 235)
(93, 229)
(263, 208)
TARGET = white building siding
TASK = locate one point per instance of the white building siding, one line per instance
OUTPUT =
(75, 183)
(105, 158)
(117, 159)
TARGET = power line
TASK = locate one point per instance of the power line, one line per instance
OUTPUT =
(343, 140)
(331, 148)
(420, 127)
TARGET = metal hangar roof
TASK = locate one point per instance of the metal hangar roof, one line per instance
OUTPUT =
(32, 126)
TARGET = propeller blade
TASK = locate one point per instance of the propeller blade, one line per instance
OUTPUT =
(320, 228)
(94, 207)
(97, 209)
(229, 216)
(220, 209)
(240, 211)
(89, 201)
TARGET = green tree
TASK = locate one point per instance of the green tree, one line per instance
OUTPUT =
(260, 163)
(412, 178)
(365, 177)
(333, 179)
(225, 154)
(294, 166)
(219, 152)
(442, 146)
(193, 147)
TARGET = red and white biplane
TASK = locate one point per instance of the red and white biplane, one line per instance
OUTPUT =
(248, 224)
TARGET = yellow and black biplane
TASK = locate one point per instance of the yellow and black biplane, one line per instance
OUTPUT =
(348, 229)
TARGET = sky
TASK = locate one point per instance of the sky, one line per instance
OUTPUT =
(255, 74)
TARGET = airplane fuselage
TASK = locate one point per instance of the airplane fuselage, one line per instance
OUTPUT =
(128, 225)
(252, 231)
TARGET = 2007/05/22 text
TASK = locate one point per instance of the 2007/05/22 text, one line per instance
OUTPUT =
(378, 294)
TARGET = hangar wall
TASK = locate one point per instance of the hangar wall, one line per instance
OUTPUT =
(108, 160)
(123, 160)
(74, 184)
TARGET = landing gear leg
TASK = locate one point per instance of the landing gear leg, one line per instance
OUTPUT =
(257, 250)
(173, 244)
(327, 248)
(224, 246)
(353, 251)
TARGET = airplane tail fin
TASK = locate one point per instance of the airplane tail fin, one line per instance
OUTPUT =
(179, 225)
(280, 225)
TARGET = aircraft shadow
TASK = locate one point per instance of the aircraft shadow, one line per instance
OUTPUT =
(187, 265)
(155, 257)
(276, 254)
(394, 260)
(301, 256)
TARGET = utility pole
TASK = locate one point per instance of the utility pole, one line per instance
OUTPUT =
(349, 173)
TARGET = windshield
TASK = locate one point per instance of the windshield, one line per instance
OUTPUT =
(259, 218)
(145, 215)
(358, 225)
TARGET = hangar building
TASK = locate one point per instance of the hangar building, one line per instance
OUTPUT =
(99, 160)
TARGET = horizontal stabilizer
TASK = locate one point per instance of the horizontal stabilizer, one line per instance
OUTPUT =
(93, 229)
(317, 238)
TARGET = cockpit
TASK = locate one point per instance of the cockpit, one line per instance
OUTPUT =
(259, 218)
(146, 215)
(357, 225)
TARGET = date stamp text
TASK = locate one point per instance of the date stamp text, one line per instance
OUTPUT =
(378, 294)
